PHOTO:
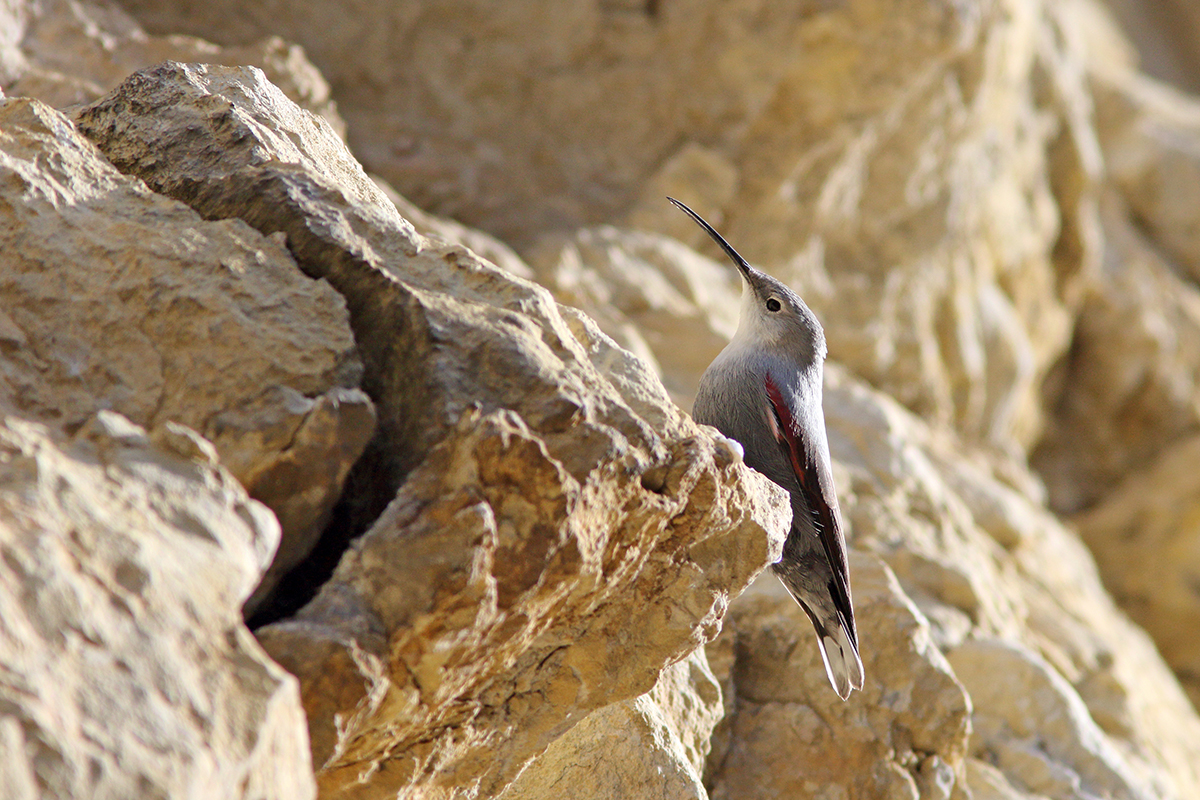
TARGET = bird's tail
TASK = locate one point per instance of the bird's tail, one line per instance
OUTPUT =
(842, 664)
(839, 650)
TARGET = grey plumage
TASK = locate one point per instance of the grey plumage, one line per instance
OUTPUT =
(764, 391)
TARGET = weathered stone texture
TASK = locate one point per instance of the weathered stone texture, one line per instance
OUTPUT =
(125, 557)
(889, 159)
(650, 293)
(547, 510)
(1144, 534)
(653, 745)
(789, 738)
(65, 52)
(117, 298)
(978, 572)
(988, 207)
(1166, 35)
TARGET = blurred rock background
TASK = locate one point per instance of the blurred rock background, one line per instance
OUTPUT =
(277, 343)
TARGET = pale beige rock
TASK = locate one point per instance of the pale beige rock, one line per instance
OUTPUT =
(509, 595)
(921, 172)
(561, 531)
(13, 20)
(929, 175)
(317, 441)
(1128, 394)
(791, 736)
(64, 52)
(1151, 139)
(117, 298)
(652, 746)
(702, 177)
(964, 587)
(977, 565)
(1036, 729)
(917, 217)
(342, 227)
(1131, 384)
(260, 174)
(451, 232)
(1020, 577)
(1166, 34)
(658, 299)
(1144, 534)
(247, 102)
(127, 670)
(988, 783)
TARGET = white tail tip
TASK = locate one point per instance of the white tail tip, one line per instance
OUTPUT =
(842, 664)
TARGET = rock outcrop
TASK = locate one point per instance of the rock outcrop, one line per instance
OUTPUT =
(995, 660)
(126, 556)
(1128, 388)
(653, 745)
(66, 52)
(1167, 37)
(892, 161)
(786, 736)
(557, 505)
(484, 552)
(172, 318)
(650, 293)
(1144, 535)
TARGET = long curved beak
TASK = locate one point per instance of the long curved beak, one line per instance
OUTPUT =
(734, 256)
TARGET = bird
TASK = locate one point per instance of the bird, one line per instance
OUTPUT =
(764, 391)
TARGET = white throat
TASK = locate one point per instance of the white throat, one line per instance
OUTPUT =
(753, 329)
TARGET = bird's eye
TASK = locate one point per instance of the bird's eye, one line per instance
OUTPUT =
(773, 304)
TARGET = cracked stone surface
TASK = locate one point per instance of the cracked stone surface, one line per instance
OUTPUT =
(114, 297)
(986, 204)
(125, 557)
(552, 500)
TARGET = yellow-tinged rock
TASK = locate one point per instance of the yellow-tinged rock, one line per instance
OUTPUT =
(127, 556)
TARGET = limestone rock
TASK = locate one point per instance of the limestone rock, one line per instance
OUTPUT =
(978, 200)
(790, 736)
(651, 746)
(1150, 136)
(561, 532)
(317, 441)
(702, 177)
(166, 317)
(1131, 384)
(515, 600)
(983, 562)
(1143, 534)
(64, 52)
(1073, 700)
(127, 670)
(988, 783)
(1036, 729)
(452, 232)
(920, 172)
(251, 168)
(1126, 401)
(1166, 35)
(658, 299)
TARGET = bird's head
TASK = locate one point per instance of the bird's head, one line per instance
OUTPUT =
(773, 317)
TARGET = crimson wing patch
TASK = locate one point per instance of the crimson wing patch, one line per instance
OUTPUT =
(818, 495)
(800, 455)
(784, 428)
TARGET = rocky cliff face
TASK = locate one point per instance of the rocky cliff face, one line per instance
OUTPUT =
(442, 469)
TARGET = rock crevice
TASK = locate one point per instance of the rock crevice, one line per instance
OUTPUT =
(484, 552)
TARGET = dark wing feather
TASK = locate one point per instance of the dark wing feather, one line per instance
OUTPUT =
(816, 484)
